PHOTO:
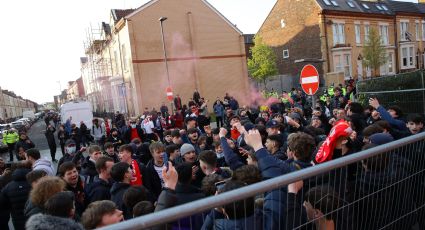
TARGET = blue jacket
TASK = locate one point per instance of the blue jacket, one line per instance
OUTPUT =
(398, 124)
(232, 160)
(219, 110)
(271, 167)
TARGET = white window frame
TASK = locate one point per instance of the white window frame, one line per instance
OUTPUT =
(285, 56)
(423, 30)
(388, 67)
(383, 32)
(417, 31)
(342, 63)
(357, 30)
(404, 27)
(338, 30)
(407, 52)
(366, 31)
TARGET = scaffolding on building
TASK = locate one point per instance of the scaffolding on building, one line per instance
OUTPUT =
(98, 69)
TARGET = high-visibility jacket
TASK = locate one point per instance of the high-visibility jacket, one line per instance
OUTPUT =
(10, 137)
(344, 91)
(331, 91)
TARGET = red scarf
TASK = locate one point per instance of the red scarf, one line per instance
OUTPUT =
(325, 153)
(137, 175)
(134, 134)
(234, 134)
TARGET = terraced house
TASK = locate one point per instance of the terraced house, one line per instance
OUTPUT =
(332, 34)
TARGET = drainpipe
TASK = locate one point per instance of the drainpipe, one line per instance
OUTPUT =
(326, 43)
(397, 64)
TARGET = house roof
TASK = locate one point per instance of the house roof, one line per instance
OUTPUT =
(118, 14)
(356, 6)
(405, 7)
(146, 5)
(421, 7)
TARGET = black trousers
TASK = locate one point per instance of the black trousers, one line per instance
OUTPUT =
(11, 148)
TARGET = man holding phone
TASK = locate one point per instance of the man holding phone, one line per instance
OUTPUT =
(153, 179)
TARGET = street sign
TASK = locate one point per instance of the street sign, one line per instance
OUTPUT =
(309, 80)
(169, 93)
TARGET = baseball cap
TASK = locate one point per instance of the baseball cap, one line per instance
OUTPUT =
(272, 124)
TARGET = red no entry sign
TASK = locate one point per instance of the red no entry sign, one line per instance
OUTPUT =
(309, 80)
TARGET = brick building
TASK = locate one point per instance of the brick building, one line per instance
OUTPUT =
(335, 31)
(205, 52)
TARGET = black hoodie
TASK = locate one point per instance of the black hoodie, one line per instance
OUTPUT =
(15, 194)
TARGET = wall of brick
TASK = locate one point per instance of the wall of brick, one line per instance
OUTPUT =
(300, 34)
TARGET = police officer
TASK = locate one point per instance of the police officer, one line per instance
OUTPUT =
(10, 137)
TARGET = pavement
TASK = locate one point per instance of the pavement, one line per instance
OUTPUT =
(36, 135)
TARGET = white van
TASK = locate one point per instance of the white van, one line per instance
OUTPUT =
(28, 114)
(79, 111)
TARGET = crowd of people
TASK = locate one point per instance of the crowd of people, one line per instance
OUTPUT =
(137, 166)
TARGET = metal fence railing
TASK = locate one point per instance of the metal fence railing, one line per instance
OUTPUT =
(378, 188)
(406, 90)
(409, 100)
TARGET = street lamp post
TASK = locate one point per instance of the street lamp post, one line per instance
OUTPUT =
(161, 20)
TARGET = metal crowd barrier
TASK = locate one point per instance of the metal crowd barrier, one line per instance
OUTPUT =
(378, 188)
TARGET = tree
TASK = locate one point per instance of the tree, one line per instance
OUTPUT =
(374, 54)
(262, 65)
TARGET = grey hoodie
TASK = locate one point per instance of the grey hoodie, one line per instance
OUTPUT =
(47, 222)
(44, 165)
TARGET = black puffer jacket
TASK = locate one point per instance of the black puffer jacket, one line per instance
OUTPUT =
(88, 170)
(15, 195)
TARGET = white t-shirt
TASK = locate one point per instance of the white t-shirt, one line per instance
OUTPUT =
(159, 172)
(148, 126)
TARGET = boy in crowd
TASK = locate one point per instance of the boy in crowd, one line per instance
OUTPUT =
(110, 152)
(273, 145)
(208, 164)
(88, 168)
(122, 175)
(173, 152)
(68, 172)
(101, 186)
(415, 124)
(101, 214)
(153, 170)
(125, 155)
(34, 157)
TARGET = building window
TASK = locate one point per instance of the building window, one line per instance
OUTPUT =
(282, 23)
(366, 33)
(407, 57)
(417, 31)
(327, 2)
(342, 63)
(116, 61)
(388, 67)
(124, 57)
(357, 31)
(404, 27)
(338, 33)
(285, 54)
(334, 3)
(383, 31)
(351, 4)
(423, 31)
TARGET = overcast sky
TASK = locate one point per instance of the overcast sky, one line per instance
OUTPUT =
(41, 41)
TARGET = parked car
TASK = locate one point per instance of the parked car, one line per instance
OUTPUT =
(19, 125)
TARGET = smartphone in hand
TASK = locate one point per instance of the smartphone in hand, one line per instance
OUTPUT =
(165, 159)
